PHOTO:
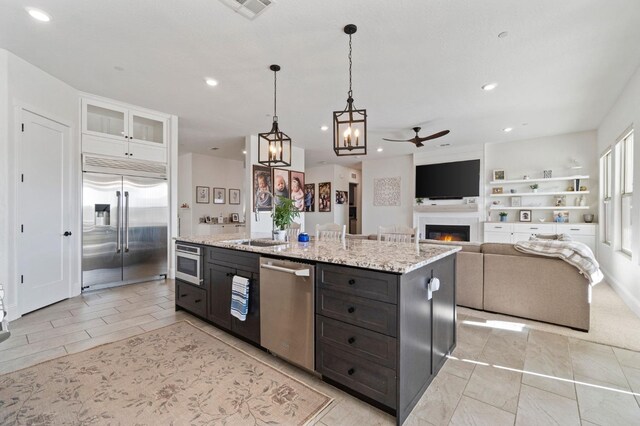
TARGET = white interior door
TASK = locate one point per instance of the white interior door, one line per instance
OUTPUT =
(43, 253)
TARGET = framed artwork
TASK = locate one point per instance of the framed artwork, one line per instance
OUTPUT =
(547, 174)
(235, 217)
(324, 197)
(207, 219)
(202, 194)
(234, 196)
(498, 175)
(280, 184)
(516, 201)
(497, 190)
(561, 216)
(309, 197)
(262, 189)
(342, 197)
(525, 215)
(218, 195)
(297, 189)
(560, 201)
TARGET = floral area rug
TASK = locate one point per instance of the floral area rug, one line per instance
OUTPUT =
(176, 375)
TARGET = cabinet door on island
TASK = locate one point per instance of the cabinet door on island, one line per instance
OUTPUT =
(219, 279)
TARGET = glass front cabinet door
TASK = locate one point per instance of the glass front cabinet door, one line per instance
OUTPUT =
(105, 120)
(147, 128)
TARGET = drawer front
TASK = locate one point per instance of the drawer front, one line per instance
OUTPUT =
(242, 260)
(577, 229)
(368, 378)
(498, 227)
(372, 285)
(366, 344)
(366, 313)
(535, 228)
(191, 298)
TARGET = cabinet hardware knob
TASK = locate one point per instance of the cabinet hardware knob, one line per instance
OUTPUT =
(183, 295)
(130, 155)
(574, 229)
(351, 340)
(351, 371)
(198, 300)
(352, 281)
(67, 233)
(351, 309)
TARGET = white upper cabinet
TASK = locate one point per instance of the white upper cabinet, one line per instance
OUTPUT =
(122, 131)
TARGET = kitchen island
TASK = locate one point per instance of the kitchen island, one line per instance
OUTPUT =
(384, 312)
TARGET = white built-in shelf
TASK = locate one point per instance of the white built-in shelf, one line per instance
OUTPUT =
(531, 194)
(426, 208)
(540, 208)
(555, 179)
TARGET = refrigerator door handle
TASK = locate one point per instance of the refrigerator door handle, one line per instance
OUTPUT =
(126, 221)
(118, 225)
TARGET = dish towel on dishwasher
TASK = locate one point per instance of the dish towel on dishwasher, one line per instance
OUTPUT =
(240, 297)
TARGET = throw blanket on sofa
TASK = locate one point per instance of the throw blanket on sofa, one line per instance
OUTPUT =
(572, 252)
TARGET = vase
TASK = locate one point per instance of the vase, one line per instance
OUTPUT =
(503, 218)
(535, 190)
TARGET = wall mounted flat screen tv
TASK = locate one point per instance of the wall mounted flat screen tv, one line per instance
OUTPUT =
(448, 180)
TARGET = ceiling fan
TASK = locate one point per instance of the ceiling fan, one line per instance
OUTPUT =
(417, 140)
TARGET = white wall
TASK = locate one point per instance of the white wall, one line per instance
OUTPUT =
(622, 272)
(374, 216)
(30, 88)
(531, 157)
(4, 177)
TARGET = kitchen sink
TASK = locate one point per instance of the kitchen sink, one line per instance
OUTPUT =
(262, 243)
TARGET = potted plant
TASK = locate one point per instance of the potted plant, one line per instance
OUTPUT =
(283, 214)
(503, 216)
(534, 187)
(419, 201)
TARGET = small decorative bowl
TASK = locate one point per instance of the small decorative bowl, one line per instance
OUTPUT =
(303, 237)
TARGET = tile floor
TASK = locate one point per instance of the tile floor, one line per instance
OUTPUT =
(499, 373)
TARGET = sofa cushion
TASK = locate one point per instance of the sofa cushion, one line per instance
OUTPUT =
(501, 248)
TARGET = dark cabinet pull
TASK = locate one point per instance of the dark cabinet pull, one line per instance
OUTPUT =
(352, 281)
(198, 300)
(351, 340)
(351, 309)
(351, 371)
(66, 233)
(183, 295)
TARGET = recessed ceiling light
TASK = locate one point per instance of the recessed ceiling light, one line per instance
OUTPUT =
(445, 144)
(324, 128)
(215, 148)
(489, 86)
(244, 151)
(507, 129)
(503, 34)
(38, 14)
(211, 82)
(380, 149)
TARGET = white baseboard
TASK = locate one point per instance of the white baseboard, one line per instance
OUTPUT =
(627, 298)
(12, 312)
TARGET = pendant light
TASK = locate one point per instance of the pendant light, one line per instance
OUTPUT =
(350, 124)
(274, 147)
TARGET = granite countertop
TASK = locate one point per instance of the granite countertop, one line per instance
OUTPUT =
(384, 256)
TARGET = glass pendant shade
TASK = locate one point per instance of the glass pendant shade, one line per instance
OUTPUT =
(274, 147)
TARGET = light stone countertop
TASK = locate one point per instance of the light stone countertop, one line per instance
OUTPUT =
(399, 258)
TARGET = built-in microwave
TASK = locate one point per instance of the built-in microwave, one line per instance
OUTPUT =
(189, 263)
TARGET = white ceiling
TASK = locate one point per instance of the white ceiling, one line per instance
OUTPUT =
(415, 62)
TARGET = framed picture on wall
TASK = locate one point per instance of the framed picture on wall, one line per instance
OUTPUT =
(297, 189)
(309, 197)
(280, 184)
(234, 196)
(219, 195)
(235, 217)
(324, 197)
(498, 175)
(342, 197)
(202, 194)
(525, 215)
(262, 189)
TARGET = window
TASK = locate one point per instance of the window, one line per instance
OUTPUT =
(607, 189)
(626, 191)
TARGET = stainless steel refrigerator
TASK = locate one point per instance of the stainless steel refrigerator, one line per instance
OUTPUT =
(124, 224)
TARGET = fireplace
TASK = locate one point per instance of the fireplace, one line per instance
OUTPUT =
(447, 232)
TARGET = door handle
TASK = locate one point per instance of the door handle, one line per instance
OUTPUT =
(297, 272)
(118, 224)
(126, 221)
(67, 234)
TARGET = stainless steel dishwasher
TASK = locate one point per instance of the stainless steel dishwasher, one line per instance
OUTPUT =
(286, 310)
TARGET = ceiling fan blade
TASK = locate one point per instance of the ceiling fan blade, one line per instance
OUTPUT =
(397, 140)
(434, 136)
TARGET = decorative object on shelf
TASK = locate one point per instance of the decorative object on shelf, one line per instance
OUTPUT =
(583, 201)
(513, 191)
(262, 189)
(283, 216)
(526, 177)
(525, 215)
(274, 147)
(235, 217)
(220, 218)
(324, 197)
(417, 140)
(496, 202)
(534, 187)
(350, 125)
(296, 192)
(576, 184)
(498, 175)
(386, 191)
(234, 196)
(219, 195)
(309, 197)
(541, 220)
(547, 174)
(207, 219)
(560, 201)
(281, 184)
(184, 206)
(575, 164)
(583, 188)
(516, 201)
(342, 197)
(503, 216)
(419, 201)
(497, 190)
(588, 217)
(570, 188)
(202, 194)
(561, 216)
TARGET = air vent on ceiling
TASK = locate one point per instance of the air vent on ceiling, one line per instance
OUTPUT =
(250, 9)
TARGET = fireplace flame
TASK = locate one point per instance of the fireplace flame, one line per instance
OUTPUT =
(447, 238)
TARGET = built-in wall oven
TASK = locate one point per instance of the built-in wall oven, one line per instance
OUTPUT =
(189, 263)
